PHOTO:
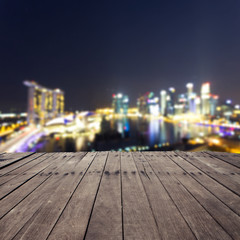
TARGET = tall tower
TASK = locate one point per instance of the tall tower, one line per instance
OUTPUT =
(205, 96)
(31, 103)
(56, 102)
(189, 87)
(191, 106)
(163, 95)
(120, 103)
(171, 101)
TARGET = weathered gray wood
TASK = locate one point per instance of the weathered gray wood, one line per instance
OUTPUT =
(138, 219)
(225, 154)
(106, 220)
(23, 168)
(24, 177)
(201, 222)
(229, 158)
(11, 158)
(222, 178)
(150, 195)
(222, 193)
(170, 223)
(73, 222)
(25, 212)
(11, 200)
(228, 220)
(9, 169)
(219, 165)
(42, 223)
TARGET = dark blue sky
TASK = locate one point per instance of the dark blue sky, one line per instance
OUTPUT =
(91, 49)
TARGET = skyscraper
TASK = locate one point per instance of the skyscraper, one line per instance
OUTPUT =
(191, 105)
(148, 104)
(205, 96)
(120, 103)
(213, 104)
(163, 95)
(171, 98)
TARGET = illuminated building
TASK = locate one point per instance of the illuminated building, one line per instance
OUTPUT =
(148, 104)
(198, 105)
(120, 103)
(213, 104)
(191, 106)
(182, 104)
(171, 101)
(205, 97)
(189, 89)
(163, 95)
(43, 103)
(57, 102)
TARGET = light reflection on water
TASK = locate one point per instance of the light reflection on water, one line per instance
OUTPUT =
(121, 133)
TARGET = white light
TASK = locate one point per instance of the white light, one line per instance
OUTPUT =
(119, 95)
(171, 89)
(163, 92)
(229, 101)
(237, 106)
(197, 100)
(189, 85)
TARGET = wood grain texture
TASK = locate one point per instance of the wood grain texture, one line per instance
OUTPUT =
(221, 177)
(42, 223)
(232, 159)
(106, 220)
(222, 214)
(223, 194)
(26, 210)
(74, 220)
(11, 158)
(27, 165)
(138, 219)
(113, 195)
(10, 168)
(169, 220)
(200, 221)
(11, 200)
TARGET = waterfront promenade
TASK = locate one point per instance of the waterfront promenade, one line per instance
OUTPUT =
(120, 195)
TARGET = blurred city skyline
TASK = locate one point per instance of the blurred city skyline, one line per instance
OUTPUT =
(94, 49)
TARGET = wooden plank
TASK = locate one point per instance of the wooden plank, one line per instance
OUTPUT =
(170, 223)
(11, 200)
(202, 224)
(225, 154)
(229, 158)
(22, 178)
(25, 212)
(222, 193)
(23, 168)
(106, 220)
(138, 219)
(219, 166)
(228, 219)
(222, 178)
(12, 167)
(10, 158)
(74, 220)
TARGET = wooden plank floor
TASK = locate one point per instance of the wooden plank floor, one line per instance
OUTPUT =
(119, 195)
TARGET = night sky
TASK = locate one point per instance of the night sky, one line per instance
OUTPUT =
(92, 49)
